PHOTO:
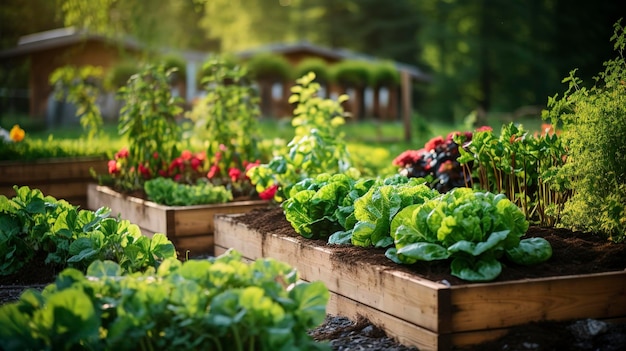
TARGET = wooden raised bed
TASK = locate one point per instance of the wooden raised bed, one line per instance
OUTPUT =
(190, 228)
(65, 178)
(426, 314)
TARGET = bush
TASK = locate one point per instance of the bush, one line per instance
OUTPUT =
(315, 65)
(269, 67)
(594, 131)
(352, 73)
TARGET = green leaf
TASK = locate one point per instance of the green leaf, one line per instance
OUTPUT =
(476, 270)
(103, 269)
(424, 251)
(477, 249)
(162, 247)
(530, 251)
(311, 299)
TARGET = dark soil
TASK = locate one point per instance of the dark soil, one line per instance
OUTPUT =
(573, 253)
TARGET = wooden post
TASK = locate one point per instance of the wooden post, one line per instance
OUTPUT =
(406, 104)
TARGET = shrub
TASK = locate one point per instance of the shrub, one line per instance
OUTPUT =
(594, 131)
(270, 67)
(315, 65)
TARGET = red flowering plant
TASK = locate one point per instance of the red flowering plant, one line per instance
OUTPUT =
(436, 162)
(228, 170)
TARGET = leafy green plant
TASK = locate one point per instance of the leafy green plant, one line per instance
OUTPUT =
(474, 229)
(594, 130)
(169, 192)
(81, 86)
(374, 210)
(149, 121)
(520, 165)
(221, 303)
(31, 223)
(226, 118)
(321, 206)
(317, 147)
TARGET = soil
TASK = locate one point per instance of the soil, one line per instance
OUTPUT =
(573, 253)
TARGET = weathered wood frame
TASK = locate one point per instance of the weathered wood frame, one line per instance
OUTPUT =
(426, 314)
(190, 228)
(64, 178)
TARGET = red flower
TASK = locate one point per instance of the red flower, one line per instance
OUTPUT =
(162, 173)
(250, 165)
(484, 129)
(113, 167)
(176, 163)
(195, 163)
(177, 177)
(446, 166)
(145, 171)
(268, 193)
(186, 155)
(234, 174)
(408, 157)
(213, 171)
(155, 155)
(433, 143)
(201, 156)
(123, 153)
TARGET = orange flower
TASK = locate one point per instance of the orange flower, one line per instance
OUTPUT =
(17, 133)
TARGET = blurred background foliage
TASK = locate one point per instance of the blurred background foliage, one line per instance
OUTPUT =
(491, 56)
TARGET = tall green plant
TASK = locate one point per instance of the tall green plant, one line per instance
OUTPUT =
(521, 166)
(317, 146)
(81, 86)
(594, 124)
(149, 121)
(227, 116)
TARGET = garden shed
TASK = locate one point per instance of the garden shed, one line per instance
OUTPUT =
(56, 48)
(391, 102)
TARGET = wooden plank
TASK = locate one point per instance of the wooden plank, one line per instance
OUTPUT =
(496, 305)
(405, 333)
(228, 235)
(194, 245)
(194, 220)
(146, 214)
(41, 171)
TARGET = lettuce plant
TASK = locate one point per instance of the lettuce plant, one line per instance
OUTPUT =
(474, 229)
(169, 192)
(318, 207)
(221, 303)
(374, 210)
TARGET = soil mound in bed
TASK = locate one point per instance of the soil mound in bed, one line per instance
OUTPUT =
(572, 252)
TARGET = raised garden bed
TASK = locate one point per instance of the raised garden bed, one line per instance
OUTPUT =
(65, 178)
(190, 228)
(422, 305)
